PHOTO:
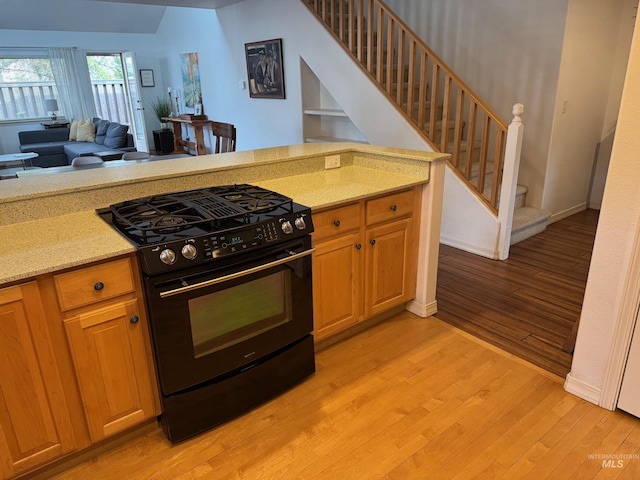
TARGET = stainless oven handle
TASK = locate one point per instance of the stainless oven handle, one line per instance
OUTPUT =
(232, 276)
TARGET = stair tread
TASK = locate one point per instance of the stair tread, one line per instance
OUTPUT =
(526, 216)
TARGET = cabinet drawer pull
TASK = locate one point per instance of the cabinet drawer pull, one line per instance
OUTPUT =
(372, 241)
(336, 223)
(358, 246)
(98, 286)
(394, 208)
(134, 319)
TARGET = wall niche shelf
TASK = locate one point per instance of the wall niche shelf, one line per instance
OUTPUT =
(323, 118)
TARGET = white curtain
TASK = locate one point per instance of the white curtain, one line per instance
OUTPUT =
(72, 82)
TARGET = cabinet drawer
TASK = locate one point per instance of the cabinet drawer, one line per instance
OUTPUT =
(336, 221)
(389, 207)
(94, 284)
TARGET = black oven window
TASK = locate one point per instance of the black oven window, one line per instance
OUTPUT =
(229, 316)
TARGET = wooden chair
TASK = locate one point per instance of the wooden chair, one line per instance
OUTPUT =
(86, 160)
(225, 135)
(135, 155)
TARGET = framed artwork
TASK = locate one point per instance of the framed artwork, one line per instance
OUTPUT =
(146, 78)
(190, 79)
(264, 69)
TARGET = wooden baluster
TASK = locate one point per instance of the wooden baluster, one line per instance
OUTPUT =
(435, 84)
(390, 55)
(352, 33)
(496, 178)
(471, 133)
(400, 65)
(444, 121)
(411, 80)
(422, 96)
(370, 37)
(457, 134)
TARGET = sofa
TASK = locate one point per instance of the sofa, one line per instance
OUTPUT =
(54, 147)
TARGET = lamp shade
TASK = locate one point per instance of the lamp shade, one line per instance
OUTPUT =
(51, 104)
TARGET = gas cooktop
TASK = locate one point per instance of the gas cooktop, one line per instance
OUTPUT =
(181, 229)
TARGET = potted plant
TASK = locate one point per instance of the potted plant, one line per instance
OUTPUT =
(162, 109)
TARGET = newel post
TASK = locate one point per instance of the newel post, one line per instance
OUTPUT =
(513, 149)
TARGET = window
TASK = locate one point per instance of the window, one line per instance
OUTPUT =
(25, 84)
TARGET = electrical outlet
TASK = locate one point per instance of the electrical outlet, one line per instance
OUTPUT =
(332, 161)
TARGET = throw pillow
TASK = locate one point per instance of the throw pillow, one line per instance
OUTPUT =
(73, 130)
(101, 130)
(86, 131)
(116, 135)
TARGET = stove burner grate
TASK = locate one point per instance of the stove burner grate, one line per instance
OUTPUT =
(157, 218)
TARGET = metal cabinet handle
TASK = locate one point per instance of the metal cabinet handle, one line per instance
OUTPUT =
(372, 241)
(336, 223)
(134, 319)
(98, 286)
(394, 208)
(358, 246)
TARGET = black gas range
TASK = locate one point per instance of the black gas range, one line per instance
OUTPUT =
(189, 228)
(226, 272)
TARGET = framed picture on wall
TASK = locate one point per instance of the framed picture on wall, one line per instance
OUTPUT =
(146, 78)
(264, 69)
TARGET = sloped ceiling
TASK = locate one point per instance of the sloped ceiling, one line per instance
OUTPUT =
(110, 16)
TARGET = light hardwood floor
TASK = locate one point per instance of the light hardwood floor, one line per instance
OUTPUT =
(409, 398)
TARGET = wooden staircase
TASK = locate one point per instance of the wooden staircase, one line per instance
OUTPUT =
(428, 94)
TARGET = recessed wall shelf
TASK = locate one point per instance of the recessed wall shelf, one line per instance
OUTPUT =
(323, 118)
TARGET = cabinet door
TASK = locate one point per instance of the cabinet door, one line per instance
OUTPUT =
(35, 425)
(336, 285)
(109, 355)
(388, 282)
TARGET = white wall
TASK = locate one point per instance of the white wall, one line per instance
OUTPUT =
(618, 233)
(219, 42)
(507, 52)
(591, 35)
(540, 54)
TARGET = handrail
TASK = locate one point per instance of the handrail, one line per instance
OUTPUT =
(446, 112)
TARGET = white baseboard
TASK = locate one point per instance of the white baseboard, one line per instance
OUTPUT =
(582, 389)
(467, 247)
(567, 213)
(421, 309)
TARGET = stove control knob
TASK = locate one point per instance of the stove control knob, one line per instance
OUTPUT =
(300, 225)
(168, 256)
(189, 251)
(287, 228)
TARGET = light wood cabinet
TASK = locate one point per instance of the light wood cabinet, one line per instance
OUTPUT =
(391, 252)
(35, 425)
(388, 282)
(337, 296)
(108, 349)
(107, 332)
(364, 262)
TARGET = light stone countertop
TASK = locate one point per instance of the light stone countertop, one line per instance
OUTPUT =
(72, 234)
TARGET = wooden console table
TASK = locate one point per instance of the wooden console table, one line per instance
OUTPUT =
(198, 128)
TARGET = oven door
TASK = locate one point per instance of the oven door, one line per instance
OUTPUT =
(212, 322)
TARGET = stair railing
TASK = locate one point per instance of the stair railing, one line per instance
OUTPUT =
(443, 108)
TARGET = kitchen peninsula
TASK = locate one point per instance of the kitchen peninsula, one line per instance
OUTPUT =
(57, 252)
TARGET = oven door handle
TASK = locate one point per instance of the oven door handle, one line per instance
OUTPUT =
(232, 276)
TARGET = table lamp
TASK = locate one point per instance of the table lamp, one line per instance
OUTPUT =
(51, 104)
